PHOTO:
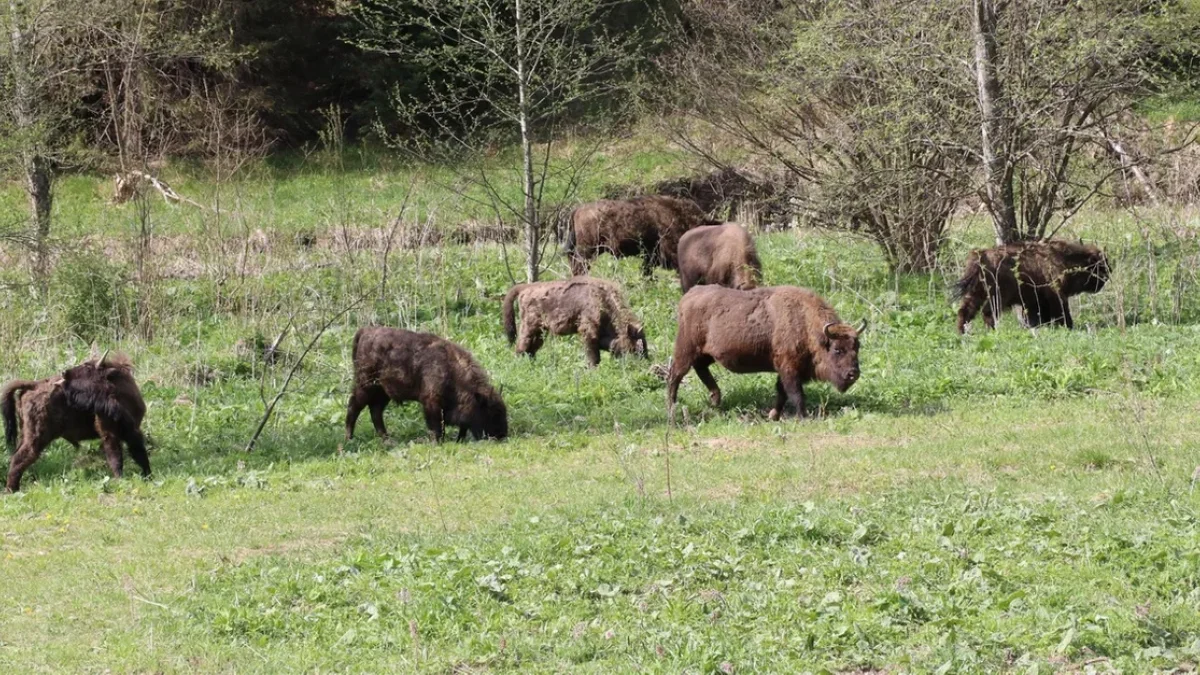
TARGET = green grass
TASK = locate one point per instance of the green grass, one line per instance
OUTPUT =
(1002, 501)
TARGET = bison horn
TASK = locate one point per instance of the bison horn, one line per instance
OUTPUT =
(825, 330)
(100, 361)
(863, 328)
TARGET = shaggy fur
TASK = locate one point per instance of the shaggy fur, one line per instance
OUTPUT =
(719, 254)
(98, 399)
(1039, 276)
(593, 308)
(785, 330)
(648, 226)
(391, 364)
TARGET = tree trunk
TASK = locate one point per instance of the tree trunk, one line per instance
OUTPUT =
(532, 231)
(1000, 193)
(34, 164)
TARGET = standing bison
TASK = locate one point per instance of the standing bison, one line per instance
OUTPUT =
(648, 226)
(779, 329)
(723, 255)
(1039, 276)
(97, 399)
(594, 308)
(391, 364)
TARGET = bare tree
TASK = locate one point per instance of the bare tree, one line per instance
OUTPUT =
(855, 101)
(41, 70)
(504, 72)
(1053, 79)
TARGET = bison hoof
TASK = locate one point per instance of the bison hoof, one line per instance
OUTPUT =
(773, 415)
(715, 400)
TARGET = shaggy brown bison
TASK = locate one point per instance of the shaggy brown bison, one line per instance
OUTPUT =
(391, 364)
(594, 308)
(1039, 276)
(719, 254)
(98, 399)
(648, 226)
(779, 329)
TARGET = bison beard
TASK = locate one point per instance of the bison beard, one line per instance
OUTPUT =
(719, 254)
(391, 364)
(1041, 277)
(785, 330)
(98, 399)
(648, 226)
(594, 308)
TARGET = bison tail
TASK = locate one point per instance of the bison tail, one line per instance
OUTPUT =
(970, 277)
(569, 235)
(510, 319)
(8, 407)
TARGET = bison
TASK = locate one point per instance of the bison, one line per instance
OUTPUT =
(594, 308)
(391, 364)
(785, 330)
(1039, 276)
(648, 226)
(719, 254)
(97, 399)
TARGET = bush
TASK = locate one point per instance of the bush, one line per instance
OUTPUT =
(94, 296)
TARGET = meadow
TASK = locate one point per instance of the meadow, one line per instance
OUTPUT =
(1002, 501)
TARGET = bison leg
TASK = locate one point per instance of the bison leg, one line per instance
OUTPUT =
(136, 443)
(113, 454)
(989, 315)
(22, 459)
(706, 376)
(579, 265)
(680, 365)
(648, 264)
(435, 422)
(780, 400)
(795, 393)
(1067, 320)
(591, 349)
(377, 406)
(358, 401)
(966, 314)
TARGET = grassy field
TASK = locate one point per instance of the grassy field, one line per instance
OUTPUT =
(1014, 500)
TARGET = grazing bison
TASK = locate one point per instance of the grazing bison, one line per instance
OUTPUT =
(779, 329)
(98, 399)
(648, 226)
(594, 308)
(391, 364)
(723, 255)
(1039, 276)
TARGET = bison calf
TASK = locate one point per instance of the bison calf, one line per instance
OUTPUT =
(594, 308)
(1039, 276)
(648, 226)
(98, 399)
(391, 364)
(785, 330)
(723, 255)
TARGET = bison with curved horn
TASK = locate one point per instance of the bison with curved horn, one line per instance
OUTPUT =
(391, 364)
(719, 254)
(98, 399)
(594, 308)
(1038, 276)
(785, 330)
(648, 226)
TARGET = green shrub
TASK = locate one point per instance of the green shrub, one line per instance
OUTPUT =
(94, 295)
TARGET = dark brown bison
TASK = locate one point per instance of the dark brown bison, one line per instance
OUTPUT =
(779, 329)
(594, 308)
(648, 226)
(723, 255)
(98, 399)
(391, 364)
(1039, 276)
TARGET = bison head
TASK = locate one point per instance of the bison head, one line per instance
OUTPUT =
(1086, 268)
(631, 341)
(838, 365)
